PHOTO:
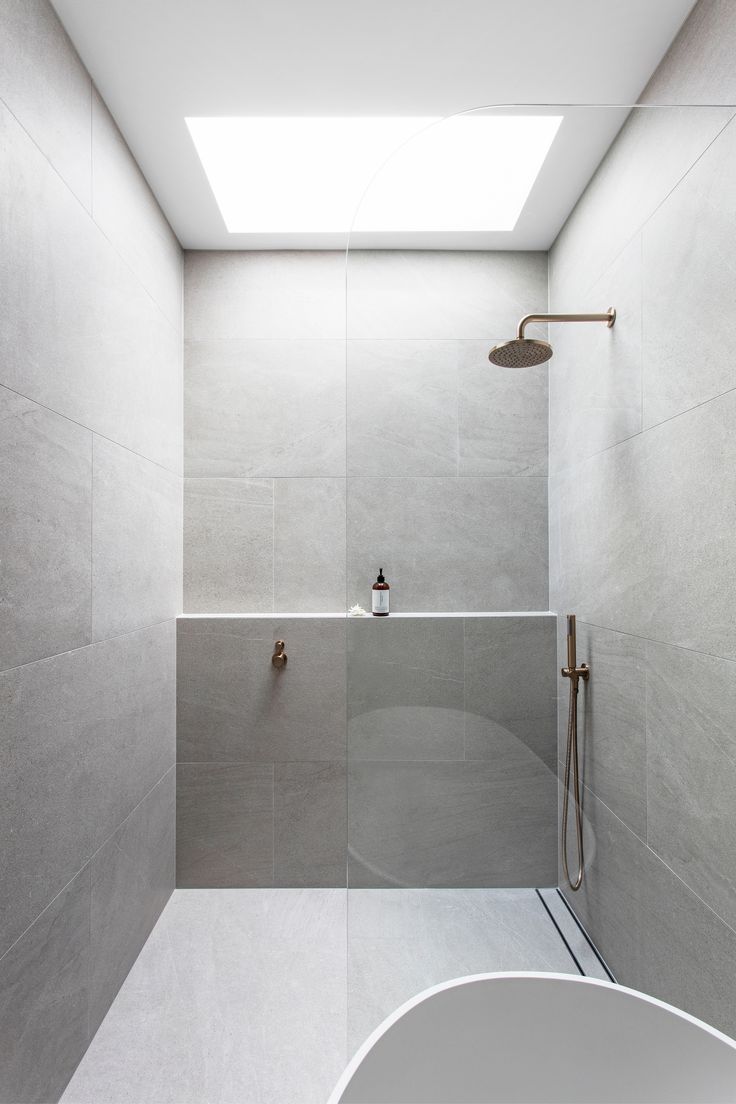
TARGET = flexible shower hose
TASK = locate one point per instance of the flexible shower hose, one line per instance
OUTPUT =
(571, 759)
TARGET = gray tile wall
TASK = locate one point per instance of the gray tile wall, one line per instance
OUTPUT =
(296, 443)
(435, 768)
(642, 516)
(90, 495)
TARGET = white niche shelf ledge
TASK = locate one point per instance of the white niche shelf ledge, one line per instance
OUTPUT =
(369, 616)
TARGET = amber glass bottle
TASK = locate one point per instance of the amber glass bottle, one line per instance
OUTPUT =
(380, 596)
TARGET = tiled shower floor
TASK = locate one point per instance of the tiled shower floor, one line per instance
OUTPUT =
(258, 996)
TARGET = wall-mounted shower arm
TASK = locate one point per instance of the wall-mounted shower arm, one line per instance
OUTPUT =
(528, 352)
(609, 317)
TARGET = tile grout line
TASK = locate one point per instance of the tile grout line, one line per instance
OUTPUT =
(90, 644)
(89, 429)
(88, 211)
(659, 858)
(660, 643)
(88, 861)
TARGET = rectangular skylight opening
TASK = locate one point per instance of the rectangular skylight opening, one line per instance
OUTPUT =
(382, 174)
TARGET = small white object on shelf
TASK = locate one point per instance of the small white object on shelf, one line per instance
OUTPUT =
(357, 611)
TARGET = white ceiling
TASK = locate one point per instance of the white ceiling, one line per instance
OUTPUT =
(157, 61)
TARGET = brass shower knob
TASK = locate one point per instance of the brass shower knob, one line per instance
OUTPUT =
(279, 657)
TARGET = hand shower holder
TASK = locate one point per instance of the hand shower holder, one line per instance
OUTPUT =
(581, 672)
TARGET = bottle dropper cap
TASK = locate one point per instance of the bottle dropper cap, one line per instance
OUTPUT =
(380, 578)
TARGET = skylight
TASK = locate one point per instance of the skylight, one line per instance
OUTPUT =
(304, 175)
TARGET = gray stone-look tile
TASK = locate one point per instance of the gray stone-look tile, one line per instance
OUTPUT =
(205, 1013)
(402, 407)
(654, 934)
(126, 211)
(228, 545)
(405, 688)
(44, 999)
(133, 877)
(310, 825)
(653, 517)
(652, 152)
(80, 334)
(510, 687)
(698, 67)
(502, 415)
(87, 734)
(441, 294)
(309, 546)
(452, 824)
(45, 502)
(224, 824)
(403, 941)
(234, 706)
(595, 376)
(689, 264)
(264, 408)
(136, 541)
(283, 294)
(450, 544)
(611, 721)
(691, 771)
(48, 90)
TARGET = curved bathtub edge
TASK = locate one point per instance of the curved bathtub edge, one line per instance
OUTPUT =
(397, 1014)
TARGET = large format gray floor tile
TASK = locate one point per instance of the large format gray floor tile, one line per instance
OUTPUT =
(48, 90)
(264, 408)
(450, 544)
(502, 414)
(244, 995)
(691, 771)
(71, 305)
(310, 827)
(688, 262)
(46, 506)
(653, 933)
(453, 824)
(405, 688)
(133, 877)
(136, 541)
(228, 545)
(654, 517)
(234, 706)
(285, 294)
(239, 995)
(224, 824)
(124, 208)
(401, 942)
(510, 693)
(440, 294)
(402, 407)
(309, 546)
(44, 982)
(89, 731)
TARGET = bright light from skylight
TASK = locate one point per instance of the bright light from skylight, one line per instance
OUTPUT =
(306, 175)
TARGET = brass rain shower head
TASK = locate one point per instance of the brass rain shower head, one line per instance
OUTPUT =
(525, 352)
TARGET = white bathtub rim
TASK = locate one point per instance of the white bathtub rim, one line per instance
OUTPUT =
(397, 1014)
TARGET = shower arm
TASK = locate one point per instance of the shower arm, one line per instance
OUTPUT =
(609, 317)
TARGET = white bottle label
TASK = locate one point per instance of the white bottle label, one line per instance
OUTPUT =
(380, 601)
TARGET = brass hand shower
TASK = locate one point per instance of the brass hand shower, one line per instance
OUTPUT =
(574, 673)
